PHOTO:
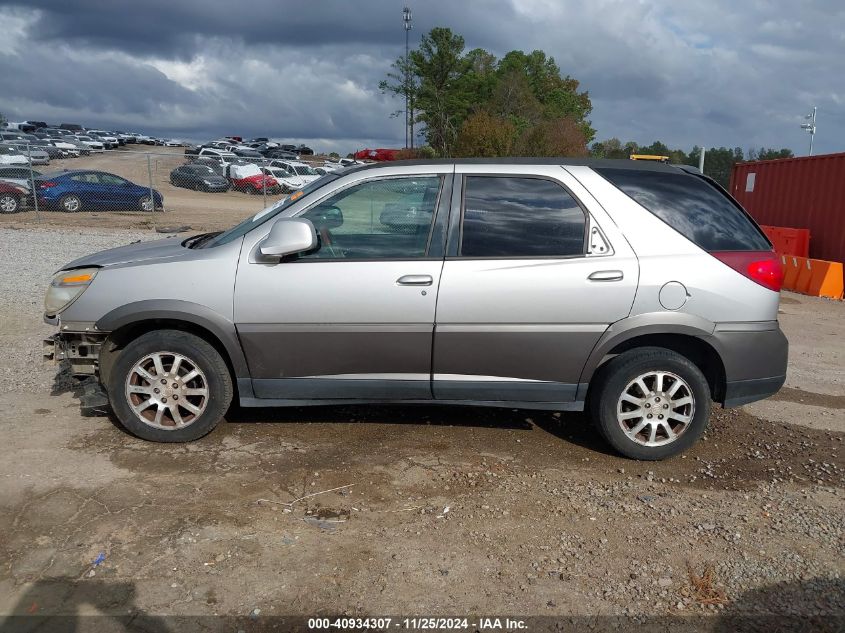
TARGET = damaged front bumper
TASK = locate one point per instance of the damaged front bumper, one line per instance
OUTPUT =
(79, 345)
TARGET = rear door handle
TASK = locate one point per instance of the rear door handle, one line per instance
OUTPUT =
(415, 280)
(606, 275)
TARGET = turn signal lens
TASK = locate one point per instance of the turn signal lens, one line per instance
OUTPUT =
(77, 279)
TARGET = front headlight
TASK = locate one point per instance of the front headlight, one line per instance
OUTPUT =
(66, 288)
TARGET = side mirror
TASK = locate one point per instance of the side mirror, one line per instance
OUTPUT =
(330, 217)
(289, 236)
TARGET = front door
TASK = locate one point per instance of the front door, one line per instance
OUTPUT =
(522, 299)
(355, 317)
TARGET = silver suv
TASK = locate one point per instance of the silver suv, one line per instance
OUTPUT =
(638, 291)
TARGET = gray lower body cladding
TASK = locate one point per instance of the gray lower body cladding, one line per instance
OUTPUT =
(755, 363)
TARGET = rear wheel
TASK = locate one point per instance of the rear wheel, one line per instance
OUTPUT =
(71, 204)
(9, 203)
(169, 386)
(650, 403)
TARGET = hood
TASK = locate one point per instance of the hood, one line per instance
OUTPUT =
(139, 251)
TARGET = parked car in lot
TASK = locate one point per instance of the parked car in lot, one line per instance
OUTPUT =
(53, 152)
(13, 197)
(250, 179)
(287, 181)
(109, 141)
(86, 190)
(20, 176)
(224, 157)
(83, 148)
(281, 154)
(11, 155)
(247, 152)
(302, 171)
(93, 144)
(639, 292)
(199, 178)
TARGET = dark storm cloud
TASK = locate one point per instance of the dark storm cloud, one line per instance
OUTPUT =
(718, 73)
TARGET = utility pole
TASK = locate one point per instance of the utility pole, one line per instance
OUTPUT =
(701, 160)
(409, 125)
(810, 127)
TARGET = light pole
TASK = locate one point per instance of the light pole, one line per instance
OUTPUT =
(810, 127)
(406, 22)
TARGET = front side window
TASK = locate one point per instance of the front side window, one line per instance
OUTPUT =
(389, 218)
(515, 216)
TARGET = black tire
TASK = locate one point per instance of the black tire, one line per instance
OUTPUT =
(616, 375)
(9, 203)
(253, 191)
(71, 204)
(200, 354)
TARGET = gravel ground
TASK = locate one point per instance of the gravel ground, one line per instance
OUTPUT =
(441, 510)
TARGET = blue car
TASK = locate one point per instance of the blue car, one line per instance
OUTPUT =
(85, 190)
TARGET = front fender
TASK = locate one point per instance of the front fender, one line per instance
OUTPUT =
(176, 310)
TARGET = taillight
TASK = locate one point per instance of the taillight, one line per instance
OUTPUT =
(763, 267)
(46, 185)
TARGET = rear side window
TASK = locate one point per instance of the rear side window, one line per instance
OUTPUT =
(520, 217)
(693, 207)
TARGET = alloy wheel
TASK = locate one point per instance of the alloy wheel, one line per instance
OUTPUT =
(655, 408)
(167, 390)
(8, 204)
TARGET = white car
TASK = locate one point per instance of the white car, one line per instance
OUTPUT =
(287, 180)
(172, 143)
(223, 156)
(11, 156)
(96, 146)
(304, 172)
(108, 139)
(67, 148)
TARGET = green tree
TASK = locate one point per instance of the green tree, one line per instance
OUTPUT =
(718, 162)
(3, 120)
(443, 96)
(769, 153)
(402, 81)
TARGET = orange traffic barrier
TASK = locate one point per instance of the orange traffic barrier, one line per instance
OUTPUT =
(805, 274)
(826, 280)
(791, 267)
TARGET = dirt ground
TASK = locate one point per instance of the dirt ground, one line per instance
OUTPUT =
(388, 510)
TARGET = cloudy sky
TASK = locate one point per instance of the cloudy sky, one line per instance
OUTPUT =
(713, 72)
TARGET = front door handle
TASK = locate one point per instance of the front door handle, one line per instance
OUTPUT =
(606, 275)
(415, 280)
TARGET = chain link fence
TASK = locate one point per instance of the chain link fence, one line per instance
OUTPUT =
(124, 187)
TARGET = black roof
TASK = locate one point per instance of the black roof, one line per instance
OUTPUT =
(596, 163)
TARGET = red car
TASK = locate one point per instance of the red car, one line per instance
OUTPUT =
(250, 179)
(12, 197)
(377, 154)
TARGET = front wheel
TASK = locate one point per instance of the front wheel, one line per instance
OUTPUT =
(650, 403)
(9, 203)
(169, 386)
(146, 204)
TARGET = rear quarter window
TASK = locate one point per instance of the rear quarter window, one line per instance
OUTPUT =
(693, 207)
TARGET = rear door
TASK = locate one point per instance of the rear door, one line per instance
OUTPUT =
(534, 274)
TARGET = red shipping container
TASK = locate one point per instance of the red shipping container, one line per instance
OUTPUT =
(802, 193)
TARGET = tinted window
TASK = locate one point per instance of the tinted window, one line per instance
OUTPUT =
(520, 217)
(376, 219)
(693, 207)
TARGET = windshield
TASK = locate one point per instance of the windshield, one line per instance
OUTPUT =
(239, 230)
(304, 170)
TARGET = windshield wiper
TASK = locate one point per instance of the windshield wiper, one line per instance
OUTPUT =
(198, 240)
